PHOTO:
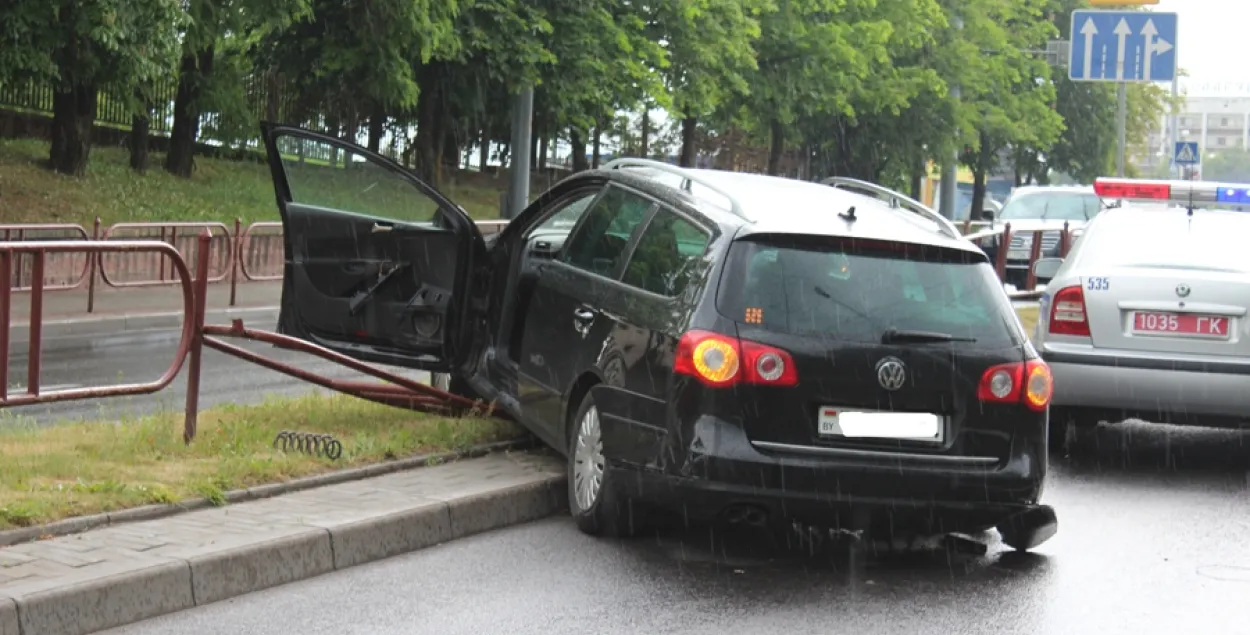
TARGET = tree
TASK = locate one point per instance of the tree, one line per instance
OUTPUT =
(710, 49)
(81, 47)
(1007, 90)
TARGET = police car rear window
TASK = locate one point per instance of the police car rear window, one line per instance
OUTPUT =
(856, 292)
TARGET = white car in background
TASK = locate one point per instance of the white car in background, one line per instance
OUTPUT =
(1147, 317)
(1041, 207)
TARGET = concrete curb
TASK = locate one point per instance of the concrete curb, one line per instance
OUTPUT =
(151, 512)
(167, 584)
(130, 323)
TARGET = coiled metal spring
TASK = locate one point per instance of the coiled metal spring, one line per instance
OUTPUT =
(309, 443)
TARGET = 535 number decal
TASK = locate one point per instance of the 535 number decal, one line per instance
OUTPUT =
(1097, 284)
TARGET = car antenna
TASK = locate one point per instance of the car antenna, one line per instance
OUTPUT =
(849, 215)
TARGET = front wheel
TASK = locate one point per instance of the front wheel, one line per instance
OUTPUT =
(594, 500)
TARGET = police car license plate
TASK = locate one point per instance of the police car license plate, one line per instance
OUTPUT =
(861, 424)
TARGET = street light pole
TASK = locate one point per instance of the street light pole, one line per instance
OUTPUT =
(522, 130)
(950, 167)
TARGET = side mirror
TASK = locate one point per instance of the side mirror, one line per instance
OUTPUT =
(1046, 268)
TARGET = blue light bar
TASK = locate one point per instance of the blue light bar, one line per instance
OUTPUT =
(1234, 195)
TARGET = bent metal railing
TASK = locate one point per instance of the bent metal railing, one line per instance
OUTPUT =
(39, 251)
(397, 391)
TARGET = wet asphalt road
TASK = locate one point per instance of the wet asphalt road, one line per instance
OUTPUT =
(140, 357)
(1154, 538)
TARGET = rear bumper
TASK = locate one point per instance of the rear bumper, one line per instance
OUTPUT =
(720, 468)
(1151, 389)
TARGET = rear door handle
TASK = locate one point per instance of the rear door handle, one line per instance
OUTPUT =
(583, 315)
(382, 227)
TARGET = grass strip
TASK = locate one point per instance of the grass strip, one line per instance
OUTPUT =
(52, 472)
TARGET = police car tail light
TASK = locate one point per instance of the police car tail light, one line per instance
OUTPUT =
(1020, 382)
(721, 361)
(1067, 313)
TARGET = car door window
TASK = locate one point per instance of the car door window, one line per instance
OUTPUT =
(667, 252)
(330, 177)
(600, 242)
(568, 211)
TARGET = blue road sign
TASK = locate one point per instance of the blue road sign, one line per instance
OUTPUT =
(1122, 46)
(1186, 153)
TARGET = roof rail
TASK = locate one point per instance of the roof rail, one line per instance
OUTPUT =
(686, 175)
(897, 199)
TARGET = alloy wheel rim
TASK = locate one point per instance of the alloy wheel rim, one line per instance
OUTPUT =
(588, 461)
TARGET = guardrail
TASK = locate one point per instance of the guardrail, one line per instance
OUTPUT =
(394, 390)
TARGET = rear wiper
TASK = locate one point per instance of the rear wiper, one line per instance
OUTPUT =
(898, 336)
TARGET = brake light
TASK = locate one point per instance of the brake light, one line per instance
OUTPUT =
(1112, 188)
(1029, 383)
(720, 361)
(1067, 312)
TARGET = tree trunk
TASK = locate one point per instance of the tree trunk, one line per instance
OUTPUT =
(427, 122)
(595, 138)
(273, 98)
(483, 151)
(73, 115)
(542, 153)
(536, 143)
(688, 127)
(645, 138)
(577, 141)
(776, 147)
(377, 127)
(984, 155)
(917, 178)
(138, 140)
(195, 70)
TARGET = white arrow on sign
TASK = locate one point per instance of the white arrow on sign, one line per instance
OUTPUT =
(1153, 47)
(1123, 31)
(1089, 31)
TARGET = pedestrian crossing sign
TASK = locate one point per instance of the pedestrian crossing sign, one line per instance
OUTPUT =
(1186, 153)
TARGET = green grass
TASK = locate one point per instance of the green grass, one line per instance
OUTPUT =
(49, 473)
(1028, 316)
(220, 190)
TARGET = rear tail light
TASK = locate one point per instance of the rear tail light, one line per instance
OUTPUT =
(1067, 313)
(720, 361)
(1028, 382)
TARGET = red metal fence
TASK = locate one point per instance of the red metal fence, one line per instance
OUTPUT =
(244, 253)
(394, 390)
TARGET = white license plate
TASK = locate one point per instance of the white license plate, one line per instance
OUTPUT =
(1018, 254)
(859, 424)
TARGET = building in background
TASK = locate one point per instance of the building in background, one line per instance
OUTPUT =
(1215, 114)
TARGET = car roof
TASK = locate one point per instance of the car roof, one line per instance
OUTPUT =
(1135, 231)
(779, 205)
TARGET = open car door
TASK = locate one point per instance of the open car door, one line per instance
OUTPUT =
(377, 262)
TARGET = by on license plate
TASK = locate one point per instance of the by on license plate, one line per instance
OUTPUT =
(1154, 323)
(859, 424)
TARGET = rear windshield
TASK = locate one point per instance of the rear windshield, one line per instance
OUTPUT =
(856, 292)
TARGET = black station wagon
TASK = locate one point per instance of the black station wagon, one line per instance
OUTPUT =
(730, 347)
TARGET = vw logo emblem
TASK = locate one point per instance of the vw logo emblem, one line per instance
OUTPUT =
(1182, 290)
(891, 373)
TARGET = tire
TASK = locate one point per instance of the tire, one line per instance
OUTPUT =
(595, 502)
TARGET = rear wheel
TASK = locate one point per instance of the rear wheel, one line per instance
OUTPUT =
(594, 500)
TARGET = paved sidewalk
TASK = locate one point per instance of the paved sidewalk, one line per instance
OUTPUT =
(125, 573)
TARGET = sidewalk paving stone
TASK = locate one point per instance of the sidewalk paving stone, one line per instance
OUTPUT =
(124, 573)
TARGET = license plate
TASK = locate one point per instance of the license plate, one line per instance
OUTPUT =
(1182, 324)
(860, 424)
(1018, 254)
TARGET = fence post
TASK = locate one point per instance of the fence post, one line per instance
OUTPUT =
(198, 308)
(237, 259)
(92, 259)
